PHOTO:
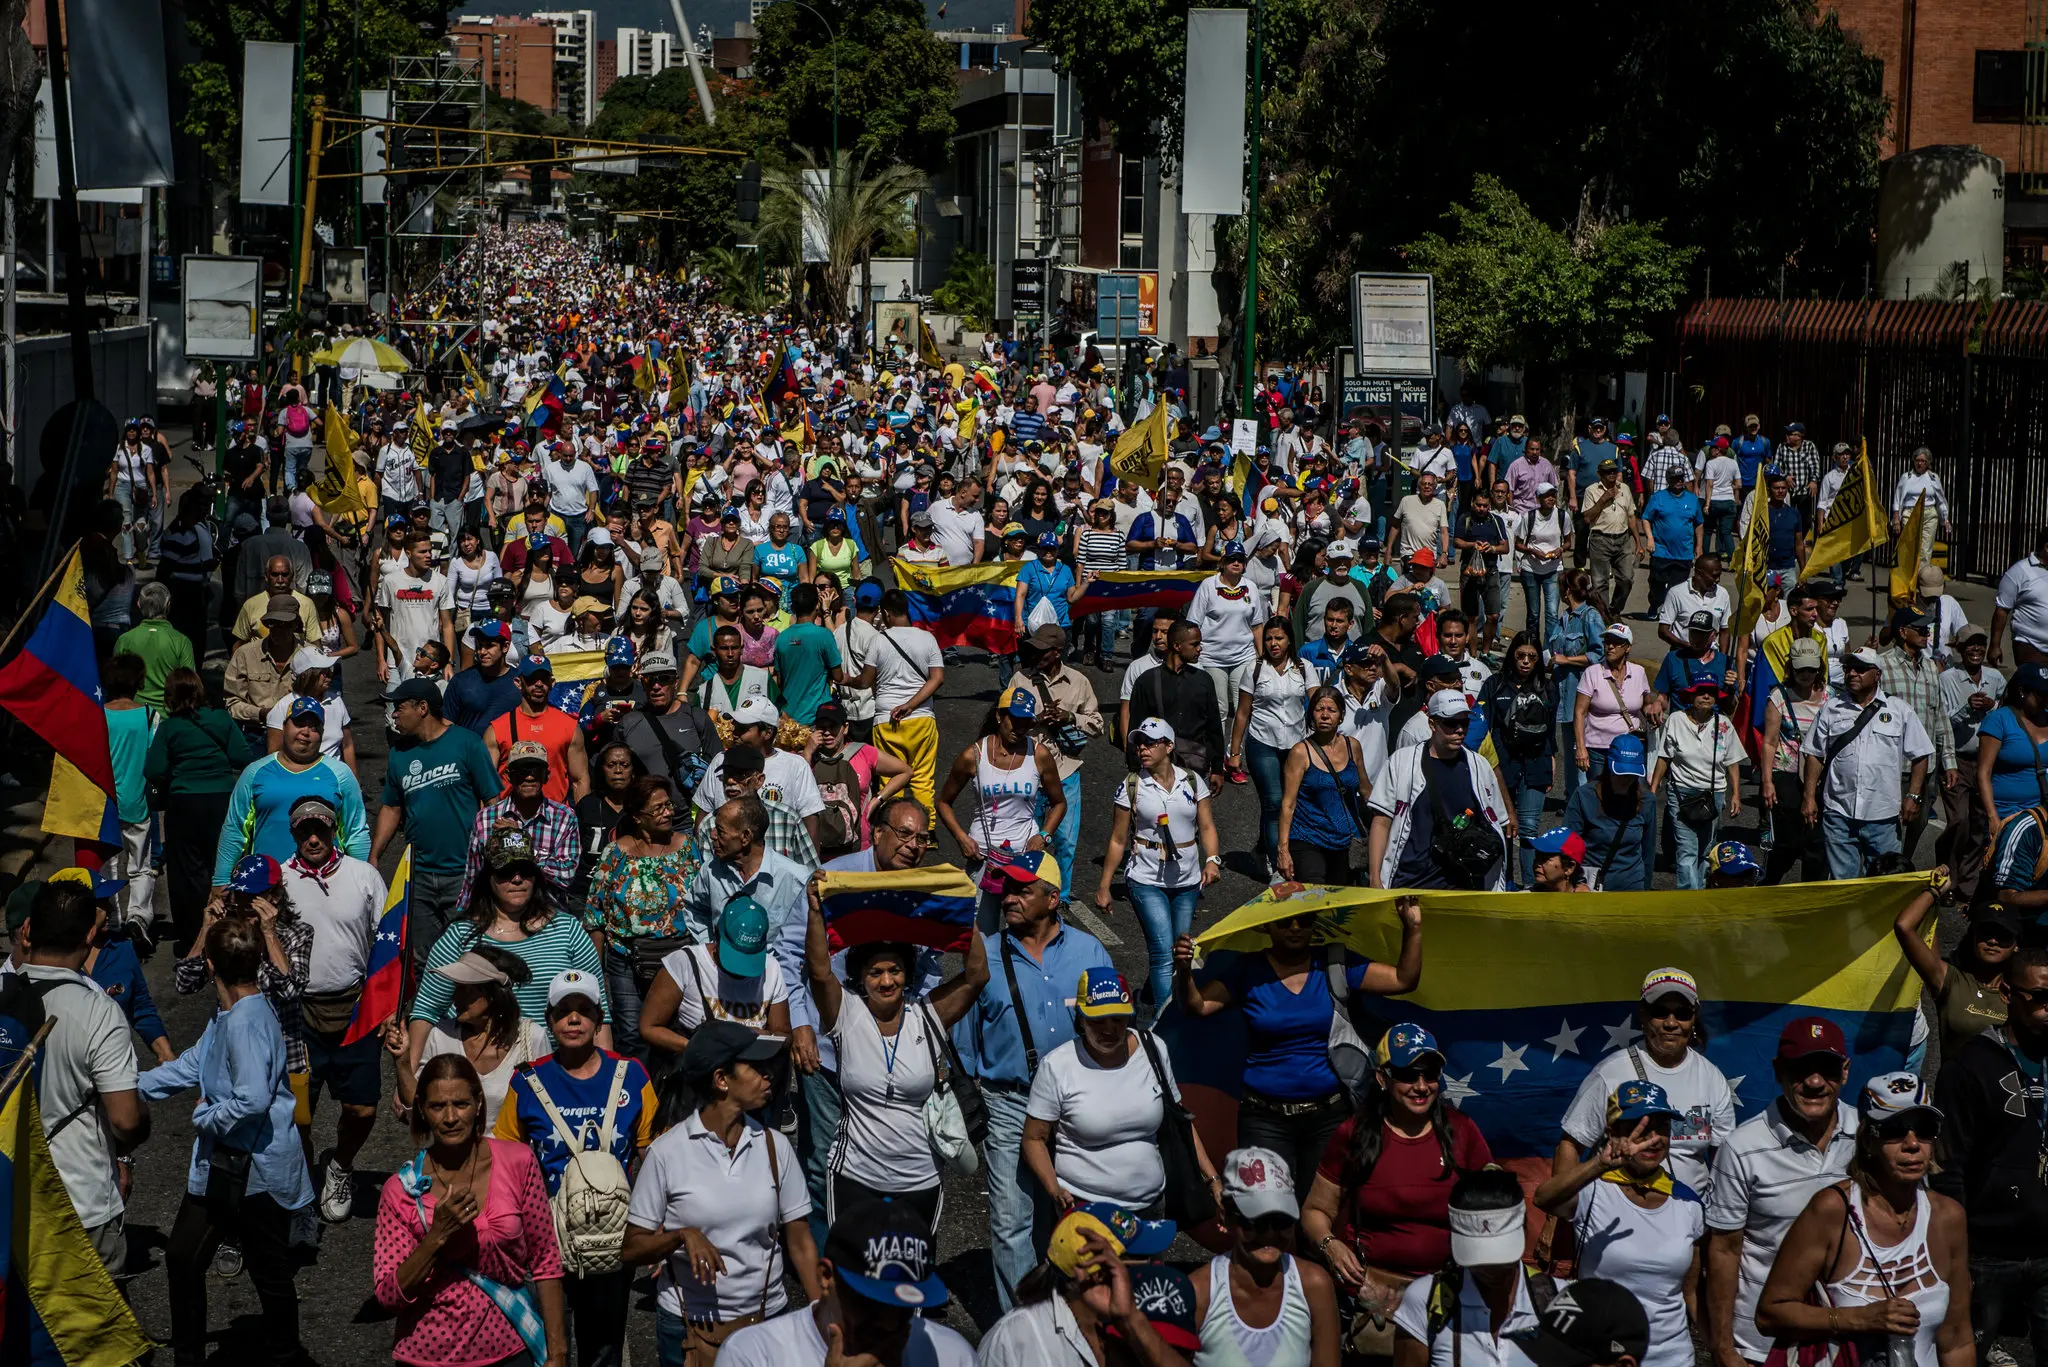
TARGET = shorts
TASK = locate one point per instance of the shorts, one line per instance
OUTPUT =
(352, 1074)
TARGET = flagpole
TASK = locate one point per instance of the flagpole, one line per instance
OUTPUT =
(28, 614)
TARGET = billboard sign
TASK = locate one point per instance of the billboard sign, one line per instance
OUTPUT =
(222, 307)
(1393, 325)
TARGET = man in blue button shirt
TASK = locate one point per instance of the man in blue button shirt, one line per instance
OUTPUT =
(1033, 962)
(1675, 519)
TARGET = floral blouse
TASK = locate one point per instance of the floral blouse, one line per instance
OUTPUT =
(638, 896)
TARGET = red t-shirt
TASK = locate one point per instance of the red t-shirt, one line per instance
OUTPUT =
(1400, 1219)
(554, 729)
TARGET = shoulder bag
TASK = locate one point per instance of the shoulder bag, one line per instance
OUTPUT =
(1841, 1352)
(1187, 1198)
(1350, 1059)
(1841, 743)
(945, 1110)
(1635, 725)
(1699, 808)
(1017, 1006)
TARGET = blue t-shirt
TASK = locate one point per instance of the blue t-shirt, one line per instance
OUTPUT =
(1462, 452)
(1586, 458)
(2015, 786)
(475, 702)
(1680, 670)
(581, 1102)
(1672, 518)
(805, 655)
(1613, 845)
(1287, 1045)
(440, 784)
(1452, 788)
(1750, 454)
(780, 563)
(1046, 585)
(2017, 853)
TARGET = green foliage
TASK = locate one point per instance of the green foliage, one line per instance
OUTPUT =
(969, 289)
(699, 190)
(1514, 289)
(895, 79)
(859, 205)
(738, 275)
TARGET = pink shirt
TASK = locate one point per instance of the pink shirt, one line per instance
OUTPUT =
(448, 1321)
(1604, 720)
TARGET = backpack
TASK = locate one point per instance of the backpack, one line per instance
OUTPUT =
(21, 1015)
(297, 421)
(590, 1203)
(1530, 721)
(840, 788)
(1465, 844)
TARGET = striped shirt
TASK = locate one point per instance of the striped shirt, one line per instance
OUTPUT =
(1659, 462)
(556, 838)
(1101, 551)
(1799, 462)
(1917, 683)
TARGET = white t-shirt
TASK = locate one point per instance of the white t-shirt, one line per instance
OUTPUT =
(785, 778)
(1279, 701)
(1108, 1121)
(333, 728)
(1682, 600)
(1723, 476)
(86, 1057)
(1697, 1089)
(883, 1082)
(412, 608)
(1229, 620)
(1647, 1251)
(858, 641)
(1180, 805)
(956, 531)
(793, 1340)
(897, 679)
(1421, 524)
(1698, 756)
(343, 908)
(570, 491)
(1475, 1344)
(743, 1001)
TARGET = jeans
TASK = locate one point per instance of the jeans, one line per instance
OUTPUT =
(1300, 1139)
(430, 907)
(817, 1126)
(1006, 669)
(1528, 819)
(2005, 1291)
(264, 1230)
(1266, 763)
(1664, 574)
(1163, 913)
(597, 1315)
(1068, 834)
(1690, 842)
(1014, 1197)
(1721, 527)
(447, 515)
(134, 501)
(623, 989)
(1565, 762)
(1539, 602)
(574, 526)
(1101, 630)
(1851, 843)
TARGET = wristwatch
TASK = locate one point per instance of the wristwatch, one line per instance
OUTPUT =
(1215, 859)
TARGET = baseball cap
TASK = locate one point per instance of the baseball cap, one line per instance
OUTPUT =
(618, 651)
(756, 712)
(1967, 633)
(1625, 757)
(311, 808)
(101, 885)
(1561, 840)
(743, 937)
(725, 586)
(1018, 703)
(882, 1251)
(526, 752)
(829, 713)
(1931, 577)
(535, 664)
(1259, 1183)
(1422, 555)
(921, 519)
(719, 1044)
(1447, 703)
(1139, 1238)
(1046, 540)
(1810, 1035)
(281, 607)
(1732, 858)
(1068, 1249)
(306, 710)
(1234, 550)
(1662, 982)
(743, 760)
(256, 874)
(506, 849)
(1102, 992)
(1607, 467)
(598, 536)
(1404, 1044)
(1029, 866)
(586, 603)
(1590, 1321)
(415, 690)
(1895, 1094)
(1861, 658)
(2033, 678)
(490, 629)
(657, 662)
(1700, 621)
(1486, 1219)
(1909, 619)
(1638, 1099)
(1166, 1298)
(1341, 550)
(574, 982)
(1154, 728)
(1545, 488)
(1048, 636)
(868, 595)
(1618, 631)
(1805, 654)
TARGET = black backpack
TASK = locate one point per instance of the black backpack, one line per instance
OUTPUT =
(21, 1016)
(1465, 844)
(1530, 721)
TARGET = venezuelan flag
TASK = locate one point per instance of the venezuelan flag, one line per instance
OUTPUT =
(384, 985)
(973, 605)
(1769, 669)
(576, 674)
(927, 906)
(1526, 992)
(53, 688)
(61, 1308)
(1122, 590)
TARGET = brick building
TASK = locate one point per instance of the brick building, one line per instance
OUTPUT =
(516, 55)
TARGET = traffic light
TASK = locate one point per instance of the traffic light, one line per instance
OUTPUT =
(750, 191)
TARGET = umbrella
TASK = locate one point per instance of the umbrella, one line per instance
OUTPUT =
(365, 354)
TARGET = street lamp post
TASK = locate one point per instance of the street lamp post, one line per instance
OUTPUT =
(832, 34)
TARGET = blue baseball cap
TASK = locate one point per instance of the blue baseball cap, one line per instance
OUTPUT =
(743, 938)
(535, 664)
(490, 629)
(1639, 1099)
(1234, 550)
(256, 874)
(1732, 857)
(868, 594)
(1563, 840)
(1625, 756)
(835, 514)
(1401, 1046)
(97, 880)
(1140, 1238)
(306, 710)
(1018, 703)
(539, 541)
(1102, 992)
(396, 520)
(883, 1251)
(1212, 433)
(619, 651)
(1048, 542)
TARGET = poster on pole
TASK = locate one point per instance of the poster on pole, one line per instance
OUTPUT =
(1213, 118)
(1393, 325)
(267, 74)
(222, 305)
(1244, 436)
(44, 181)
(344, 274)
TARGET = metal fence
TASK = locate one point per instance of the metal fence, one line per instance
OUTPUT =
(1969, 383)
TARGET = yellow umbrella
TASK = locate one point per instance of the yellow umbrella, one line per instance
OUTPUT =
(365, 354)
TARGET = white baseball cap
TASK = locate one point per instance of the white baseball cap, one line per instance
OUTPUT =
(574, 982)
(1258, 1183)
(756, 712)
(1447, 703)
(1341, 549)
(1154, 728)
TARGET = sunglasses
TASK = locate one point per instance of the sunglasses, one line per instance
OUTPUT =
(2028, 996)
(1675, 1010)
(515, 873)
(1421, 1072)
(1302, 921)
(1922, 1125)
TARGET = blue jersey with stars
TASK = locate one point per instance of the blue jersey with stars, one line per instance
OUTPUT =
(581, 1102)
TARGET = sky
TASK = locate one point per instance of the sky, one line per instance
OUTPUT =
(722, 14)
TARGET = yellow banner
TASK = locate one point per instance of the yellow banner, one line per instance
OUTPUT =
(1855, 520)
(1906, 561)
(1752, 560)
(335, 490)
(1141, 452)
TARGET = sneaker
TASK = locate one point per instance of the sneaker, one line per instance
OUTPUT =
(2000, 1356)
(227, 1261)
(337, 1192)
(1236, 775)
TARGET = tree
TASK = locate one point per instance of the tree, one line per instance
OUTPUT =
(851, 204)
(701, 191)
(1565, 307)
(896, 80)
(969, 289)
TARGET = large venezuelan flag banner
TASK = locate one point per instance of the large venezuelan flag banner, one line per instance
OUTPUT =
(926, 906)
(974, 605)
(53, 688)
(1526, 992)
(1123, 590)
(61, 1308)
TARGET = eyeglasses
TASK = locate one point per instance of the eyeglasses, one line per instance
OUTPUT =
(1421, 1072)
(912, 837)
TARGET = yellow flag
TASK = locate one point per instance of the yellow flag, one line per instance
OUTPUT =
(421, 440)
(927, 345)
(335, 491)
(1906, 561)
(643, 377)
(1855, 520)
(1752, 560)
(1142, 450)
(470, 366)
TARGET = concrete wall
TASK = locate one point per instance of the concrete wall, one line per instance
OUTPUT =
(121, 380)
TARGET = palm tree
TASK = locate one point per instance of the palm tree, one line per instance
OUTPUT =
(845, 207)
(739, 276)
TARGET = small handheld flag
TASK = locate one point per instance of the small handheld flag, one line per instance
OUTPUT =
(933, 907)
(384, 987)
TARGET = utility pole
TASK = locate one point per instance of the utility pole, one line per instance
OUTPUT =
(1251, 250)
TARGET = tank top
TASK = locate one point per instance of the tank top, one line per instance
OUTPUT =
(1228, 1341)
(838, 564)
(538, 590)
(1321, 816)
(1006, 800)
(1905, 1269)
